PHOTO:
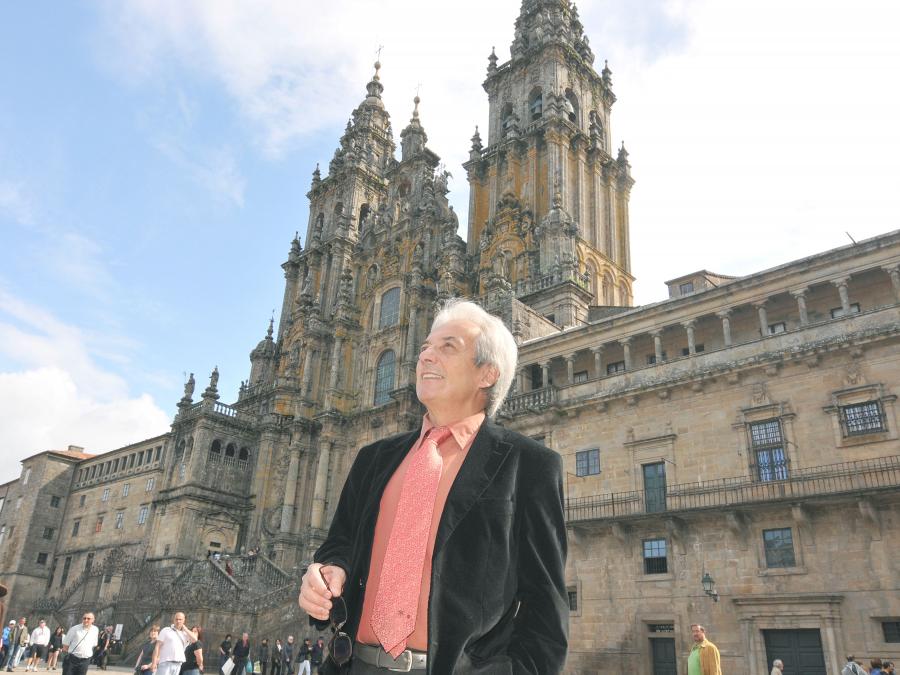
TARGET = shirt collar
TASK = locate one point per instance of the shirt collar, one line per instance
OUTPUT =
(462, 431)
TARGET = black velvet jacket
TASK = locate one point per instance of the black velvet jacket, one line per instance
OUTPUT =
(498, 596)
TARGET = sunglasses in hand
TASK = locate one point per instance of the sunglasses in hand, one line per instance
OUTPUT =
(340, 647)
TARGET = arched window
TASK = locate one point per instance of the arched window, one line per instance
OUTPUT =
(623, 294)
(571, 106)
(536, 103)
(384, 377)
(244, 455)
(338, 208)
(593, 280)
(229, 450)
(608, 290)
(216, 447)
(390, 309)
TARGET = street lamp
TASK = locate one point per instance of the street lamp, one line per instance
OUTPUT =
(709, 586)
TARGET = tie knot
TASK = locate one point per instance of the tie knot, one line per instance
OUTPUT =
(438, 434)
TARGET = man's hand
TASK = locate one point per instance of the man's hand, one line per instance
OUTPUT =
(320, 584)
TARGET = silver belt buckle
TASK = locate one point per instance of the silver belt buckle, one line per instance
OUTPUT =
(392, 664)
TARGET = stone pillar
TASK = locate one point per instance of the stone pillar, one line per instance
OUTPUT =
(626, 348)
(336, 362)
(725, 315)
(290, 490)
(657, 345)
(841, 285)
(306, 389)
(570, 368)
(894, 271)
(800, 297)
(545, 374)
(598, 361)
(320, 491)
(692, 344)
(520, 381)
(763, 317)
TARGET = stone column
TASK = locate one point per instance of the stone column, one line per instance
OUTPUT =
(763, 317)
(570, 368)
(692, 344)
(725, 315)
(545, 374)
(894, 271)
(520, 381)
(800, 297)
(626, 348)
(320, 491)
(411, 346)
(841, 285)
(307, 372)
(290, 490)
(657, 345)
(336, 362)
(598, 361)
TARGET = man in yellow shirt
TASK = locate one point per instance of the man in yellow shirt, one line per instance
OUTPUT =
(704, 656)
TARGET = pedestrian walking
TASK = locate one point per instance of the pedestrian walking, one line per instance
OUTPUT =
(102, 653)
(777, 667)
(54, 646)
(145, 655)
(303, 658)
(78, 645)
(317, 655)
(288, 663)
(40, 639)
(168, 654)
(852, 667)
(704, 657)
(277, 657)
(224, 652)
(17, 643)
(263, 655)
(193, 654)
(6, 641)
(241, 655)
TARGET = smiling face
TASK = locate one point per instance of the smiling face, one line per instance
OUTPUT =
(448, 383)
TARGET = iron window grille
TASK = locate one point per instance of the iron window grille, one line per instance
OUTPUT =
(587, 462)
(573, 599)
(662, 627)
(767, 444)
(862, 418)
(655, 561)
(779, 546)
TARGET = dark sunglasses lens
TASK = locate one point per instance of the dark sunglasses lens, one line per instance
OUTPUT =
(338, 613)
(341, 648)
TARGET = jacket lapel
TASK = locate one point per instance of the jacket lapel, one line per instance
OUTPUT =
(481, 464)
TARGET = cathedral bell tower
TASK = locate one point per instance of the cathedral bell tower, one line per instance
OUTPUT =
(548, 208)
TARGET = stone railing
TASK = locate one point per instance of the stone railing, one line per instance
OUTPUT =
(527, 286)
(529, 401)
(829, 479)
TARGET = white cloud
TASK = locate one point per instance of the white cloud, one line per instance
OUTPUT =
(14, 202)
(56, 394)
(216, 171)
(759, 131)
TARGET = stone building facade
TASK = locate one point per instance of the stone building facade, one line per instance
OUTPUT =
(742, 431)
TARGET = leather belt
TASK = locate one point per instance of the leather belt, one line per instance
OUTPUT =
(376, 656)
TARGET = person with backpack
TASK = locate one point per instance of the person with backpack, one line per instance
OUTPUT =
(852, 667)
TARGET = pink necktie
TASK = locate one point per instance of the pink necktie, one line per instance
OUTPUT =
(397, 600)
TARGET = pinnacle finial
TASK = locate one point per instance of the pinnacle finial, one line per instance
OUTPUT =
(376, 76)
(416, 101)
(271, 326)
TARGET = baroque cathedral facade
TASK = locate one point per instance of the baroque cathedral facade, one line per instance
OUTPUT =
(729, 451)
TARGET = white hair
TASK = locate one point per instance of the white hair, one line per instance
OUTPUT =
(778, 662)
(495, 346)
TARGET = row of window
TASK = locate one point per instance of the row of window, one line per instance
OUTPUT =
(120, 463)
(778, 546)
(143, 512)
(126, 489)
(767, 443)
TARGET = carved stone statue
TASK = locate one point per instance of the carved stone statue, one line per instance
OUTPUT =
(189, 387)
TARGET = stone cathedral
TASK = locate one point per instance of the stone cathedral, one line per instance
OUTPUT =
(732, 452)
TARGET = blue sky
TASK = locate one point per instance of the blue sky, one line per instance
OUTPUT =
(154, 159)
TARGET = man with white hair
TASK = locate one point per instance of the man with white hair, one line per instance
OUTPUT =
(447, 549)
(777, 667)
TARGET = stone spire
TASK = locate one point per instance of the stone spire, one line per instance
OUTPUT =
(477, 147)
(375, 88)
(413, 138)
(544, 22)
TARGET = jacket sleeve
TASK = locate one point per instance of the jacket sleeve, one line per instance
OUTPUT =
(337, 549)
(540, 632)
